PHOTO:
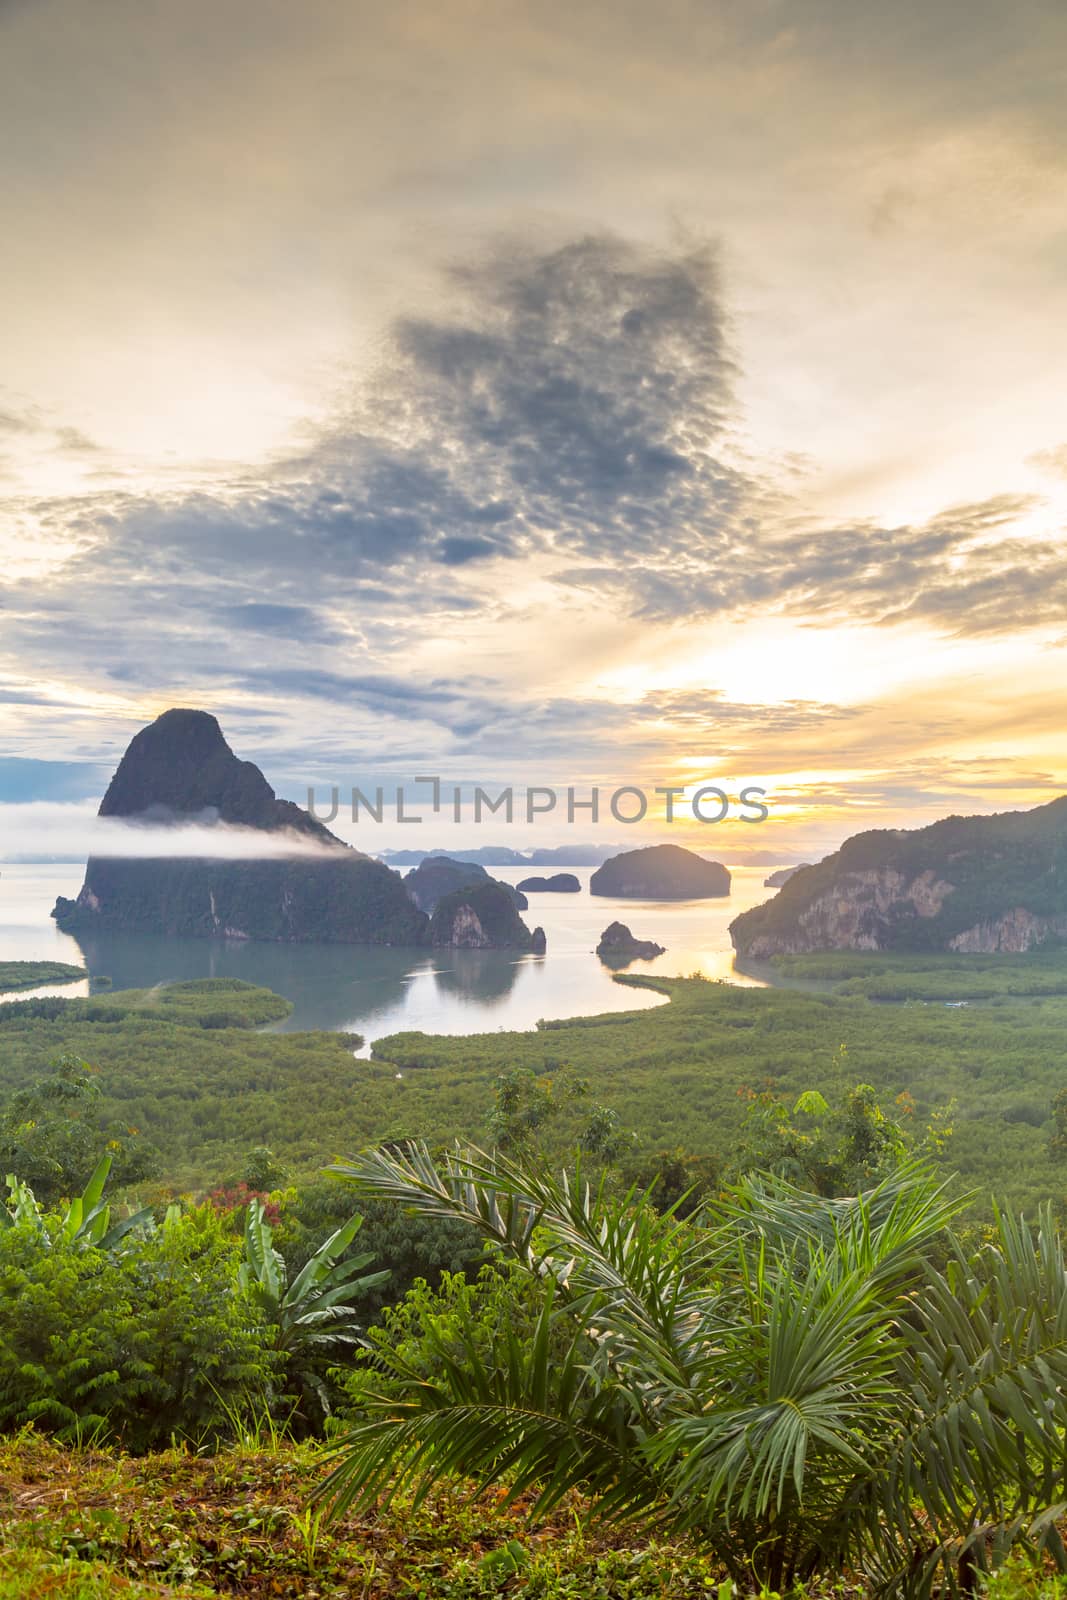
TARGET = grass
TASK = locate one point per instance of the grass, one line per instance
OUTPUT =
(29, 1575)
(238, 1524)
(15, 975)
(82, 1525)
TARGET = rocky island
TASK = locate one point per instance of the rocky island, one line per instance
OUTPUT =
(436, 876)
(483, 917)
(180, 769)
(977, 884)
(558, 883)
(661, 872)
(618, 947)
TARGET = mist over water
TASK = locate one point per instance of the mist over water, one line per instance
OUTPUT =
(375, 991)
(70, 831)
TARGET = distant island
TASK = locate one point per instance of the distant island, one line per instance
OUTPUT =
(661, 872)
(971, 884)
(495, 855)
(559, 883)
(779, 879)
(180, 769)
(618, 947)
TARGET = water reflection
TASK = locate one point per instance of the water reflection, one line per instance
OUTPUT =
(330, 985)
(483, 975)
(360, 989)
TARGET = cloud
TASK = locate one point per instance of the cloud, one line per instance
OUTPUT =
(31, 423)
(18, 422)
(72, 441)
(73, 832)
(1053, 461)
(581, 396)
(257, 616)
(559, 444)
(575, 406)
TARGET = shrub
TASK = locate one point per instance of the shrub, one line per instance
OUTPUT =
(434, 1326)
(407, 1246)
(312, 1319)
(141, 1344)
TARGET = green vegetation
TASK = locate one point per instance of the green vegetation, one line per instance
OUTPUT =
(315, 1323)
(53, 1132)
(936, 976)
(139, 1340)
(16, 975)
(992, 866)
(834, 1150)
(808, 1386)
(887, 1387)
(200, 1002)
(679, 1076)
(886, 1383)
(556, 1392)
(85, 1524)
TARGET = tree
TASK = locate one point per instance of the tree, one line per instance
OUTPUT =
(53, 1134)
(531, 1112)
(677, 1178)
(795, 1382)
(1057, 1145)
(833, 1150)
(409, 1246)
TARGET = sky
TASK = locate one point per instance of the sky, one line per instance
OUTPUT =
(572, 395)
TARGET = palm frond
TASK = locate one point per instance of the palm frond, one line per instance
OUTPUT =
(534, 1417)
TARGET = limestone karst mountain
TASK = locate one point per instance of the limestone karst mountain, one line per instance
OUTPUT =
(981, 884)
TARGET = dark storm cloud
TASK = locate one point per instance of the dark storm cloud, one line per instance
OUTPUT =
(961, 573)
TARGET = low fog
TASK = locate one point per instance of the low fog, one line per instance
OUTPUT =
(67, 832)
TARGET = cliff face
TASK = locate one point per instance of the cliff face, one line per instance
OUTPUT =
(783, 875)
(660, 872)
(482, 918)
(966, 883)
(181, 768)
(346, 899)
